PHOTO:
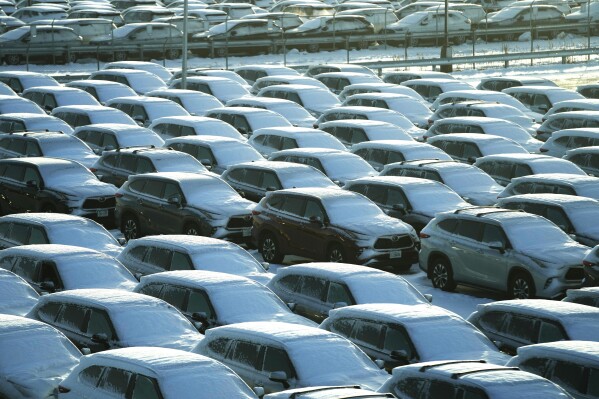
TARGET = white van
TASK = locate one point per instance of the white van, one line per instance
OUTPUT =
(379, 17)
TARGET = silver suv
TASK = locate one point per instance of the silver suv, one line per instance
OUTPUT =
(519, 253)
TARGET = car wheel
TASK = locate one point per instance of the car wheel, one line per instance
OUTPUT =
(120, 56)
(461, 39)
(442, 274)
(13, 59)
(269, 249)
(313, 48)
(521, 286)
(336, 254)
(173, 53)
(510, 37)
(192, 229)
(130, 227)
(363, 45)
(220, 52)
(70, 58)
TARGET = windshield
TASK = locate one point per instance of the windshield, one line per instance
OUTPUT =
(345, 208)
(471, 177)
(72, 173)
(534, 232)
(243, 303)
(195, 192)
(235, 153)
(151, 320)
(216, 381)
(347, 164)
(291, 111)
(382, 288)
(434, 199)
(227, 259)
(83, 233)
(66, 145)
(584, 217)
(105, 273)
(305, 177)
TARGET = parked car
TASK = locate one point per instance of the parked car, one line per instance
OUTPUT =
(397, 77)
(468, 147)
(585, 295)
(355, 131)
(140, 81)
(404, 334)
(222, 88)
(378, 87)
(502, 244)
(573, 214)
(427, 26)
(471, 378)
(506, 167)
(102, 90)
(145, 109)
(317, 69)
(268, 140)
(556, 183)
(431, 88)
(170, 127)
(561, 141)
(248, 120)
(251, 73)
(35, 358)
(153, 373)
(337, 81)
(102, 137)
(544, 18)
(54, 267)
(81, 115)
(191, 204)
(155, 254)
(339, 166)
(266, 81)
(194, 102)
(586, 158)
(101, 319)
(413, 200)
(50, 97)
(589, 90)
(10, 104)
(17, 297)
(315, 100)
(498, 83)
(379, 153)
(41, 37)
(541, 98)
(293, 112)
(317, 288)
(323, 224)
(510, 323)
(252, 180)
(21, 80)
(211, 299)
(567, 120)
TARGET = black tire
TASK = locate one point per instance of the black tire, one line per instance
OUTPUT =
(442, 274)
(173, 53)
(335, 253)
(120, 56)
(269, 249)
(313, 48)
(192, 229)
(220, 52)
(130, 227)
(13, 59)
(521, 286)
(460, 39)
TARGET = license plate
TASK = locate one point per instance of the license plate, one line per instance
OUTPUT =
(395, 254)
(102, 213)
(246, 232)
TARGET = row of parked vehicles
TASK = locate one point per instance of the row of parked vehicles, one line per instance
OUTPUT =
(67, 31)
(358, 187)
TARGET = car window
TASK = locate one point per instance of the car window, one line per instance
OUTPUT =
(550, 331)
(470, 229)
(198, 301)
(448, 225)
(158, 257)
(492, 233)
(247, 354)
(410, 387)
(314, 209)
(91, 375)
(174, 295)
(145, 388)
(312, 287)
(396, 338)
(270, 181)
(115, 381)
(289, 282)
(441, 390)
(535, 365)
(521, 328)
(276, 359)
(368, 333)
(339, 293)
(48, 311)
(72, 317)
(154, 188)
(294, 206)
(180, 261)
(493, 321)
(26, 268)
(152, 289)
(570, 376)
(99, 323)
(343, 326)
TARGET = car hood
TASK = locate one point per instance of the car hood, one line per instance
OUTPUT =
(479, 197)
(572, 254)
(30, 385)
(379, 226)
(91, 188)
(227, 206)
(366, 379)
(87, 160)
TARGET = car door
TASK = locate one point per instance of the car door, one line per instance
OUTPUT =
(99, 333)
(247, 182)
(517, 330)
(277, 360)
(493, 266)
(134, 261)
(288, 221)
(47, 278)
(246, 359)
(72, 321)
(310, 299)
(466, 246)
(148, 205)
(12, 186)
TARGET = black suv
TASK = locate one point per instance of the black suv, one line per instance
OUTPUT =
(178, 202)
(334, 225)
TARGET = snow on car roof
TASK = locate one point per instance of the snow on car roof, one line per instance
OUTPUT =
(16, 324)
(207, 139)
(279, 166)
(186, 120)
(398, 180)
(46, 219)
(562, 178)
(193, 244)
(280, 332)
(563, 200)
(331, 270)
(578, 132)
(357, 122)
(586, 352)
(319, 192)
(394, 144)
(480, 120)
(479, 138)
(202, 278)
(42, 161)
(395, 312)
(52, 251)
(287, 131)
(311, 151)
(181, 176)
(109, 299)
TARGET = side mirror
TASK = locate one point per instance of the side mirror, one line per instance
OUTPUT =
(279, 376)
(265, 265)
(48, 286)
(380, 363)
(339, 305)
(291, 306)
(32, 184)
(86, 351)
(471, 159)
(271, 188)
(206, 162)
(497, 245)
(429, 297)
(259, 391)
(202, 317)
(174, 200)
(316, 220)
(100, 338)
(122, 241)
(137, 276)
(400, 208)
(401, 354)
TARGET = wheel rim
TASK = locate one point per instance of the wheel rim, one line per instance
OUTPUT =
(269, 249)
(313, 48)
(521, 289)
(120, 56)
(130, 229)
(336, 255)
(13, 59)
(440, 275)
(192, 231)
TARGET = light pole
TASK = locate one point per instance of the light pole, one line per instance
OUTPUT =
(184, 50)
(446, 50)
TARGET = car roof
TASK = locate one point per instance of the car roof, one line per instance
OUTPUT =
(200, 278)
(403, 181)
(395, 312)
(469, 137)
(287, 131)
(179, 176)
(38, 136)
(138, 100)
(392, 144)
(331, 270)
(586, 114)
(52, 89)
(578, 132)
(576, 351)
(364, 123)
(110, 127)
(282, 333)
(10, 324)
(591, 149)
(44, 219)
(556, 310)
(277, 166)
(203, 139)
(51, 251)
(40, 161)
(528, 158)
(479, 120)
(316, 152)
(361, 109)
(563, 178)
(566, 201)
(317, 192)
(192, 244)
(109, 299)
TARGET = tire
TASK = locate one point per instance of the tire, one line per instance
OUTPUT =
(521, 286)
(13, 59)
(269, 249)
(313, 48)
(192, 229)
(461, 39)
(120, 56)
(173, 53)
(70, 58)
(363, 45)
(336, 254)
(220, 52)
(510, 37)
(442, 274)
(130, 227)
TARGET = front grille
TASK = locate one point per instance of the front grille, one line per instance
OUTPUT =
(99, 203)
(394, 242)
(575, 273)
(240, 222)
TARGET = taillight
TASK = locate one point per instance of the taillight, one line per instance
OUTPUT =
(255, 212)
(587, 263)
(62, 389)
(119, 195)
(93, 170)
(543, 150)
(423, 235)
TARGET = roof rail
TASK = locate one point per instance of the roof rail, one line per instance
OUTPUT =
(474, 207)
(430, 366)
(455, 376)
(321, 389)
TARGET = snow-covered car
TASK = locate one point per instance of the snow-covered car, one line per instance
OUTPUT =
(586, 104)
(292, 111)
(468, 147)
(371, 113)
(54, 267)
(247, 120)
(355, 131)
(541, 98)
(16, 296)
(506, 167)
(546, 18)
(221, 73)
(266, 81)
(315, 100)
(392, 88)
(193, 101)
(413, 200)
(169, 127)
(379, 153)
(426, 26)
(139, 80)
(515, 323)
(35, 358)
(484, 125)
(251, 73)
(556, 361)
(42, 184)
(294, 356)
(558, 183)
(337, 81)
(152, 67)
(102, 90)
(498, 83)
(415, 110)
(253, 180)
(316, 288)
(101, 319)
(46, 144)
(223, 89)
(170, 252)
(150, 372)
(21, 80)
(317, 69)
(403, 334)
(211, 299)
(471, 183)
(568, 120)
(585, 295)
(571, 213)
(586, 158)
(50, 97)
(42, 38)
(10, 104)
(431, 88)
(145, 109)
(471, 378)
(396, 77)
(216, 153)
(272, 139)
(56, 228)
(81, 115)
(339, 166)
(113, 136)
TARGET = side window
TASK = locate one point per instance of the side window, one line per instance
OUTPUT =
(247, 354)
(313, 209)
(410, 387)
(19, 233)
(558, 217)
(343, 326)
(158, 257)
(151, 290)
(339, 293)
(441, 390)
(91, 375)
(145, 388)
(523, 188)
(144, 165)
(276, 359)
(294, 206)
(115, 381)
(535, 365)
(449, 225)
(219, 346)
(154, 188)
(289, 282)
(37, 236)
(72, 317)
(26, 268)
(180, 261)
(270, 181)
(99, 323)
(522, 170)
(368, 333)
(198, 302)
(312, 287)
(522, 328)
(138, 253)
(397, 339)
(593, 386)
(550, 331)
(493, 321)
(276, 202)
(492, 233)
(174, 296)
(138, 185)
(570, 376)
(49, 311)
(470, 229)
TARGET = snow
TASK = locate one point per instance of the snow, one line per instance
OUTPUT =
(201, 125)
(16, 296)
(578, 352)
(223, 200)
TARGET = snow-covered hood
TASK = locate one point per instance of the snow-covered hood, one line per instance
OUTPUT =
(86, 160)
(365, 379)
(570, 255)
(229, 207)
(377, 227)
(32, 385)
(479, 197)
(262, 278)
(90, 189)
